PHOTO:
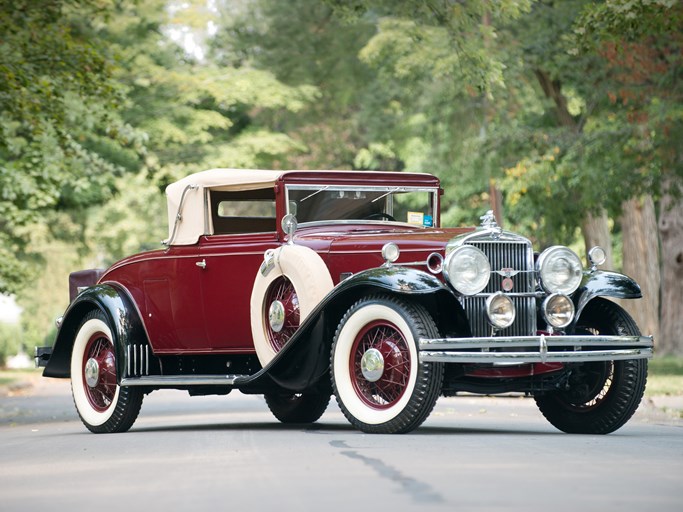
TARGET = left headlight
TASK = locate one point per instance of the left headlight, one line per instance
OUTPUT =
(560, 270)
(468, 269)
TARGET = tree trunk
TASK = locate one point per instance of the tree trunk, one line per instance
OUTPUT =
(671, 235)
(496, 199)
(595, 229)
(641, 261)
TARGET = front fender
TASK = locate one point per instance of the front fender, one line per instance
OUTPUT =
(124, 322)
(605, 284)
(305, 358)
(404, 280)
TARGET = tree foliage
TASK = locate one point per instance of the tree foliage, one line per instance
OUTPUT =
(563, 107)
(58, 127)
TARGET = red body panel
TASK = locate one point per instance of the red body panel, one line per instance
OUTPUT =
(232, 262)
(191, 308)
(187, 308)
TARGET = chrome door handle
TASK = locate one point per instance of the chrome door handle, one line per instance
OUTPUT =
(201, 264)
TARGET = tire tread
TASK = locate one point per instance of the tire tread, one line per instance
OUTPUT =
(630, 379)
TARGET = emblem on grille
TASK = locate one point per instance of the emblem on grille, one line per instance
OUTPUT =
(507, 274)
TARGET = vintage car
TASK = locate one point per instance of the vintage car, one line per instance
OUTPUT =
(300, 285)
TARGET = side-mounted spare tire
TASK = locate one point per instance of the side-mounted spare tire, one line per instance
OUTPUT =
(102, 405)
(292, 280)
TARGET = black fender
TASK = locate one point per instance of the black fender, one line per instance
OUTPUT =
(122, 317)
(604, 284)
(305, 359)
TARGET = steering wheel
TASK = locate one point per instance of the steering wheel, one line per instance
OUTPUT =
(380, 215)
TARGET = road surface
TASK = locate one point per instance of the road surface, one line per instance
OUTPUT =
(229, 453)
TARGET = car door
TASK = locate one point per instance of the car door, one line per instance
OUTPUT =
(232, 262)
(244, 227)
(173, 306)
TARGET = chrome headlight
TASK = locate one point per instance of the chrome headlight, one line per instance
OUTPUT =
(560, 270)
(500, 310)
(468, 269)
(558, 310)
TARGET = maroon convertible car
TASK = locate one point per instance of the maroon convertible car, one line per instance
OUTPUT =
(300, 285)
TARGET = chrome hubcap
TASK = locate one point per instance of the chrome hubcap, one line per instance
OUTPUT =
(92, 372)
(372, 365)
(276, 316)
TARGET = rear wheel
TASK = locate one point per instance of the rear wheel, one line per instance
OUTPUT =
(102, 405)
(600, 397)
(380, 383)
(297, 407)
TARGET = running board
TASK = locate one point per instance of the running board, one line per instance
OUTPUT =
(182, 380)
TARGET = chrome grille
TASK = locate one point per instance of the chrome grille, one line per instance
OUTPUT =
(518, 257)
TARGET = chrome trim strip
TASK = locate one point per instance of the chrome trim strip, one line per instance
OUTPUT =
(534, 357)
(119, 265)
(539, 349)
(182, 380)
(535, 341)
(375, 251)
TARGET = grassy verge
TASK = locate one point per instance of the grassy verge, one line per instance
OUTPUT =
(665, 376)
(10, 378)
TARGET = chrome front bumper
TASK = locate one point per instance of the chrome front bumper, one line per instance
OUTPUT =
(536, 349)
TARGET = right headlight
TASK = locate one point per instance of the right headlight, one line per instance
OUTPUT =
(560, 270)
(467, 269)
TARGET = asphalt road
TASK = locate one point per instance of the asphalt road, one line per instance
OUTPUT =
(229, 453)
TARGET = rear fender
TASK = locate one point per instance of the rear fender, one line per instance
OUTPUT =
(122, 317)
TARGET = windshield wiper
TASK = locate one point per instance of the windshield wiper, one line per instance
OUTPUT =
(314, 193)
(385, 195)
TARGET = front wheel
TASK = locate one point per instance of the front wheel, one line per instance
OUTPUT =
(297, 407)
(600, 397)
(380, 384)
(102, 405)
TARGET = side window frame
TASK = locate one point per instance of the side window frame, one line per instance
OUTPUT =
(241, 224)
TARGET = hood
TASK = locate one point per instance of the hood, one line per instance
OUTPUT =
(350, 238)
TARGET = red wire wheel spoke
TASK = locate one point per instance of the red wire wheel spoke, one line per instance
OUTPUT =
(282, 291)
(390, 342)
(101, 350)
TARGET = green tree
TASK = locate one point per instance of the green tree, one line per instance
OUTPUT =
(641, 46)
(56, 128)
(303, 43)
(179, 115)
(194, 115)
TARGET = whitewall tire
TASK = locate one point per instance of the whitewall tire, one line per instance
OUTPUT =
(379, 382)
(102, 405)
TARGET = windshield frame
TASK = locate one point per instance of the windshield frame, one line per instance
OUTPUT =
(388, 190)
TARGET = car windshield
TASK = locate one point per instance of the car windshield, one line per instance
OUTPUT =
(337, 203)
